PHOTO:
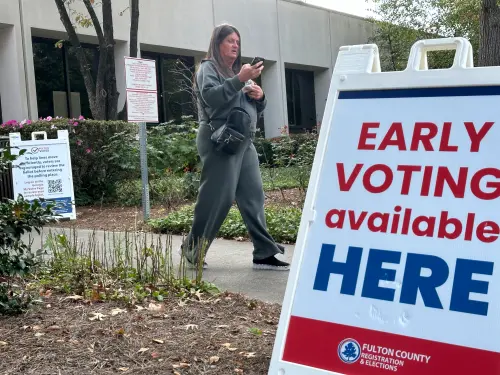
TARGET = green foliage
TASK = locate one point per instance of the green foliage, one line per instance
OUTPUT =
(173, 189)
(287, 150)
(18, 217)
(283, 223)
(172, 147)
(105, 154)
(126, 267)
(14, 300)
(102, 153)
(400, 23)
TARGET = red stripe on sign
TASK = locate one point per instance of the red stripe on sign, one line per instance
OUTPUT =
(357, 351)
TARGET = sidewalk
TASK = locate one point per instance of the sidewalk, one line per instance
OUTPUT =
(229, 265)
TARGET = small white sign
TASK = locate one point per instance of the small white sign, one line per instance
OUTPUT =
(140, 74)
(142, 106)
(44, 171)
(142, 95)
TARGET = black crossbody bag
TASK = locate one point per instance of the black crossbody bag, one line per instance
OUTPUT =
(229, 137)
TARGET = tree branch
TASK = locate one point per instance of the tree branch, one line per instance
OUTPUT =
(134, 28)
(75, 41)
(95, 21)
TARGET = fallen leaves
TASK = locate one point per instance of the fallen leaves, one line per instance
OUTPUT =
(247, 355)
(73, 298)
(143, 350)
(3, 343)
(228, 347)
(117, 311)
(182, 365)
(214, 359)
(97, 316)
(158, 341)
(155, 307)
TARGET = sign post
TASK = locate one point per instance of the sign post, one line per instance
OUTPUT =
(142, 107)
(394, 266)
(44, 171)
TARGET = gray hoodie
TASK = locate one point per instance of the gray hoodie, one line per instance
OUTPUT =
(220, 95)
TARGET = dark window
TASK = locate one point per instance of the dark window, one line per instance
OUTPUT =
(174, 79)
(59, 83)
(300, 100)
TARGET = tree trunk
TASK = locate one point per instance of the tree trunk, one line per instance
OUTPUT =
(111, 91)
(85, 68)
(134, 32)
(489, 47)
(134, 27)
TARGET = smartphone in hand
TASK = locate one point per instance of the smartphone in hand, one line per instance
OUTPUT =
(257, 60)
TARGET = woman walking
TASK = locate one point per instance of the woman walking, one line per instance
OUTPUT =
(222, 84)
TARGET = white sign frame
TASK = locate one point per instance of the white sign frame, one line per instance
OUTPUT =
(32, 146)
(365, 75)
(145, 90)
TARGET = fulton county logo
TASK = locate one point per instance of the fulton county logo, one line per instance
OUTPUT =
(349, 351)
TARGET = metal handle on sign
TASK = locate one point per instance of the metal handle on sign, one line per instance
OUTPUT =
(463, 55)
(34, 134)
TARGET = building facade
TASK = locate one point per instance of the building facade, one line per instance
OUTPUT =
(299, 42)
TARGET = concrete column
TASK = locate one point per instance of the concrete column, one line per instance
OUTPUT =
(273, 84)
(321, 86)
(12, 79)
(122, 49)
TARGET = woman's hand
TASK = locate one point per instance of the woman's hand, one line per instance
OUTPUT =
(256, 92)
(250, 72)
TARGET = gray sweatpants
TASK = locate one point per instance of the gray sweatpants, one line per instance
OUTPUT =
(224, 179)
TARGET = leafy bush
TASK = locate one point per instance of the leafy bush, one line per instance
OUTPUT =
(283, 223)
(168, 190)
(172, 147)
(18, 217)
(102, 152)
(287, 150)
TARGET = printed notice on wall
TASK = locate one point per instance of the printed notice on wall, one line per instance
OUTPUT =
(142, 95)
(44, 172)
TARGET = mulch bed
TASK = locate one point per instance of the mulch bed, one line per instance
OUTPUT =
(118, 218)
(225, 334)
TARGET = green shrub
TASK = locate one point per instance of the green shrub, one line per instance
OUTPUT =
(287, 150)
(283, 223)
(284, 178)
(18, 217)
(102, 152)
(171, 189)
(172, 147)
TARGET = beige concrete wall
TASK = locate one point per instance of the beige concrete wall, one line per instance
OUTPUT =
(304, 34)
(9, 12)
(12, 81)
(257, 22)
(183, 24)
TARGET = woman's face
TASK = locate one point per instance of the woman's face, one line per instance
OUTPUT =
(229, 48)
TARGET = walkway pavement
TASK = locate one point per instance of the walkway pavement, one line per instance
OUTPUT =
(229, 265)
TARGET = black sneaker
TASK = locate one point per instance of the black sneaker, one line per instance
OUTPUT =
(270, 263)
